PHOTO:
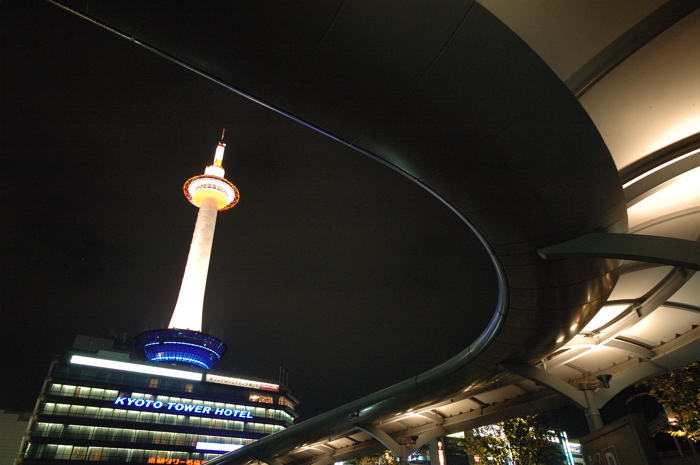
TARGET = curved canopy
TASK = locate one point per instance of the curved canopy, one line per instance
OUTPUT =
(507, 134)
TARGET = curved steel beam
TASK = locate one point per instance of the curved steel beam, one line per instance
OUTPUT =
(626, 319)
(527, 371)
(670, 356)
(665, 250)
(635, 38)
(457, 103)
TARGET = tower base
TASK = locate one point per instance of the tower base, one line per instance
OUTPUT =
(181, 346)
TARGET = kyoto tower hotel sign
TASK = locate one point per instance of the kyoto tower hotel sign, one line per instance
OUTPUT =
(183, 342)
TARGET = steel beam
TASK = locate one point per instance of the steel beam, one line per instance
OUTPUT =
(654, 249)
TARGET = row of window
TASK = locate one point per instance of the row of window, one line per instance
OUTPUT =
(103, 413)
(110, 395)
(113, 454)
(156, 382)
(84, 392)
(57, 430)
(255, 397)
(286, 402)
(136, 379)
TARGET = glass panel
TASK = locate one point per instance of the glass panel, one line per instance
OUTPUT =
(105, 413)
(67, 390)
(139, 455)
(64, 452)
(126, 435)
(42, 429)
(100, 433)
(76, 410)
(181, 439)
(86, 432)
(96, 454)
(55, 430)
(71, 431)
(141, 436)
(79, 453)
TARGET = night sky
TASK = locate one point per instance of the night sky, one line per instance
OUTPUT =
(335, 268)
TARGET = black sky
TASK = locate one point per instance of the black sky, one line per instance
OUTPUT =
(337, 269)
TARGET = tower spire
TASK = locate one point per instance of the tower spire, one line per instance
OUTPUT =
(183, 341)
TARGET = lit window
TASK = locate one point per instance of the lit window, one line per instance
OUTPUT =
(77, 410)
(153, 383)
(284, 401)
(63, 452)
(79, 453)
(255, 397)
(189, 387)
(67, 390)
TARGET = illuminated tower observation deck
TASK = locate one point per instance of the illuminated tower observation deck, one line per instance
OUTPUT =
(183, 342)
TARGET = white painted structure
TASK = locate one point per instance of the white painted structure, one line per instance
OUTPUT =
(211, 193)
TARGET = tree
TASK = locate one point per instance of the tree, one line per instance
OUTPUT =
(381, 458)
(384, 458)
(679, 390)
(521, 441)
(488, 442)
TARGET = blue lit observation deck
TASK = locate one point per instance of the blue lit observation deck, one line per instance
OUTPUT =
(181, 346)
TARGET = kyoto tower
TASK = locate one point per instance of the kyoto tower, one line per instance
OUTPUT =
(183, 342)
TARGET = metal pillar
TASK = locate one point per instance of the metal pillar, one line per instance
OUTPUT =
(595, 421)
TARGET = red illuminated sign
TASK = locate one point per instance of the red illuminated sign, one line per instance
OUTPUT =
(242, 383)
(165, 461)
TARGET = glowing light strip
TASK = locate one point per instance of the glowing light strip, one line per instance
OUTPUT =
(664, 165)
(216, 446)
(184, 344)
(124, 366)
(195, 361)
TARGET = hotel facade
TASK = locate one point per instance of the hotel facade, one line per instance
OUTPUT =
(105, 407)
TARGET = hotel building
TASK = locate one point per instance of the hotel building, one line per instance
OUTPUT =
(105, 407)
(98, 404)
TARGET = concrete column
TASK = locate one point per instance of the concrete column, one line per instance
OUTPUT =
(188, 310)
(595, 421)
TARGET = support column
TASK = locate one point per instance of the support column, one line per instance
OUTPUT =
(188, 310)
(595, 421)
(402, 451)
(586, 401)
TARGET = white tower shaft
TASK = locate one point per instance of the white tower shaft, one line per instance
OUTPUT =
(188, 310)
